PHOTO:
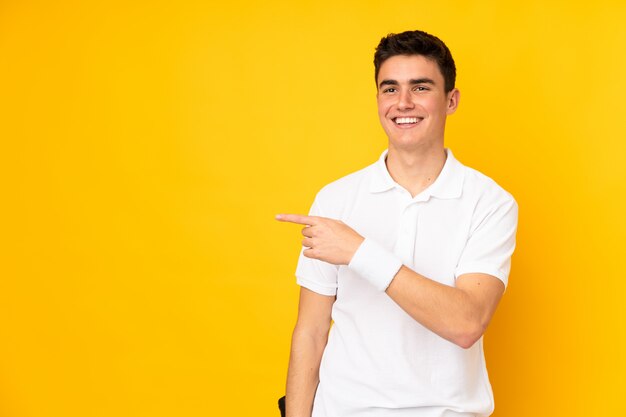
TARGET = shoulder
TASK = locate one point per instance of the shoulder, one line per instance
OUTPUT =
(489, 202)
(484, 189)
(334, 197)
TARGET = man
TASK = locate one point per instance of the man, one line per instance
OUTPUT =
(408, 257)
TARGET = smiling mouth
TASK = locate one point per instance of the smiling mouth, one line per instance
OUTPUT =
(406, 121)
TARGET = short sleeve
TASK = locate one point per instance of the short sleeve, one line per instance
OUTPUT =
(492, 242)
(316, 275)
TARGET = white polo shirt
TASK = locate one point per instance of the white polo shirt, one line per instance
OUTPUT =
(379, 361)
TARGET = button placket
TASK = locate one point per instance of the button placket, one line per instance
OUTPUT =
(407, 232)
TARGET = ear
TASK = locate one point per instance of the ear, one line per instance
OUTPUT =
(453, 98)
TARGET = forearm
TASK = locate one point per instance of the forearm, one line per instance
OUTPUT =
(303, 373)
(445, 310)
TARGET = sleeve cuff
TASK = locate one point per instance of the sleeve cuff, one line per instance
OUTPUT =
(316, 287)
(483, 268)
(375, 263)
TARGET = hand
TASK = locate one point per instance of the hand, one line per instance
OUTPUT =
(327, 239)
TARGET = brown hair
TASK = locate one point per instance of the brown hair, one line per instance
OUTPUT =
(417, 42)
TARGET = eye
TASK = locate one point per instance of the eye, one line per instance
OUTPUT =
(389, 90)
(421, 88)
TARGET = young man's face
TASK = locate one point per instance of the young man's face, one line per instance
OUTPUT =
(412, 103)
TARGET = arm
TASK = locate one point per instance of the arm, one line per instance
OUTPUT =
(459, 314)
(307, 345)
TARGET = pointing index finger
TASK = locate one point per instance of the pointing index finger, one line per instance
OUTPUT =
(296, 218)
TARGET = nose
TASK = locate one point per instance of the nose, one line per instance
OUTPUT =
(404, 100)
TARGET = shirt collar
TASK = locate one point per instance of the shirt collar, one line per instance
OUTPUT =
(449, 183)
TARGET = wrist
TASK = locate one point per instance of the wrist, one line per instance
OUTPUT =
(375, 263)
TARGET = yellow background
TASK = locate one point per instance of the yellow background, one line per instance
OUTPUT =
(146, 147)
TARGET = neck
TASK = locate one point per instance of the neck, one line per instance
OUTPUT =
(417, 169)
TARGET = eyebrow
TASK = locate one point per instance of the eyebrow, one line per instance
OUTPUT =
(411, 82)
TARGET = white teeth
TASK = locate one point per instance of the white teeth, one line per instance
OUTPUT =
(404, 120)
